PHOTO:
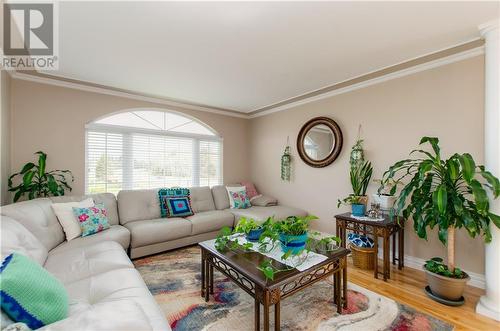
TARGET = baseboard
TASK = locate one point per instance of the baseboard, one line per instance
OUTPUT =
(476, 280)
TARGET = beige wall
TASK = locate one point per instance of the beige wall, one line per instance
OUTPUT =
(52, 119)
(446, 102)
(4, 135)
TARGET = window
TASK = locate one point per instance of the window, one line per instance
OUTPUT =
(149, 149)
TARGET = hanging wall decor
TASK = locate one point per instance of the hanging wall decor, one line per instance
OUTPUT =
(357, 153)
(286, 161)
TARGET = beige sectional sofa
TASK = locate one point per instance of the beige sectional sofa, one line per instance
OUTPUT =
(90, 267)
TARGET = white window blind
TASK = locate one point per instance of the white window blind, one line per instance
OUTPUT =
(121, 157)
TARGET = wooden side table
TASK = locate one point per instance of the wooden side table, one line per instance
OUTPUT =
(385, 229)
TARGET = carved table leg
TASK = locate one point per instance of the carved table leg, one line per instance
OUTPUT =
(202, 273)
(401, 246)
(375, 246)
(277, 316)
(338, 295)
(266, 311)
(344, 282)
(257, 313)
(386, 255)
(394, 248)
(207, 279)
(211, 279)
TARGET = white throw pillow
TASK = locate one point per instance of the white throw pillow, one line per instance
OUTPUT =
(68, 220)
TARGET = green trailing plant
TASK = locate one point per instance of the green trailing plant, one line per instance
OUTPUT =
(350, 200)
(36, 182)
(246, 225)
(447, 194)
(294, 225)
(269, 240)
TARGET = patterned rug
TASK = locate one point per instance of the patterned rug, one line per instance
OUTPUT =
(174, 280)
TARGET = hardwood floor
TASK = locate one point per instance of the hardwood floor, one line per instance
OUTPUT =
(407, 286)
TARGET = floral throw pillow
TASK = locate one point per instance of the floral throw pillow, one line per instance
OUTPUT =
(92, 220)
(238, 198)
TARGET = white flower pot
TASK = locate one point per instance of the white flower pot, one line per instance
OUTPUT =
(386, 201)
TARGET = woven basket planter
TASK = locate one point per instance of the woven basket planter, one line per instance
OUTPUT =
(363, 258)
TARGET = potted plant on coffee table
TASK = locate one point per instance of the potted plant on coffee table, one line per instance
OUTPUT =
(360, 178)
(448, 194)
(293, 233)
(250, 228)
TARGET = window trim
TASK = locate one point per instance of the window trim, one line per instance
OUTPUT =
(109, 128)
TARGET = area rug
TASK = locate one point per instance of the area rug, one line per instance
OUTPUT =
(174, 280)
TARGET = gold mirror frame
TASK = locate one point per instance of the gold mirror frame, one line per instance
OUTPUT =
(334, 153)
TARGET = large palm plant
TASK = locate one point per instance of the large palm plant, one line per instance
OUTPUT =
(448, 194)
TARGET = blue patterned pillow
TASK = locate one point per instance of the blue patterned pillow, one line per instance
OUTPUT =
(92, 220)
(165, 194)
(178, 207)
(360, 240)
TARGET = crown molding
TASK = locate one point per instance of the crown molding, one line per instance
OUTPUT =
(89, 87)
(472, 49)
(488, 26)
(345, 87)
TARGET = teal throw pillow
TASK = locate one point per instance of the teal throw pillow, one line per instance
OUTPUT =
(166, 194)
(30, 294)
(92, 220)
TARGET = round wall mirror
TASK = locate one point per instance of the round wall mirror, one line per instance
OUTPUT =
(319, 142)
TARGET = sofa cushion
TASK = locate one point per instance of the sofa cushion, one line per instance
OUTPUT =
(16, 238)
(148, 232)
(105, 316)
(201, 199)
(108, 199)
(221, 199)
(209, 221)
(135, 205)
(260, 214)
(37, 216)
(66, 217)
(115, 233)
(74, 264)
(113, 286)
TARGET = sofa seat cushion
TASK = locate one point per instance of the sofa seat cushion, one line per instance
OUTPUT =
(82, 262)
(113, 286)
(105, 316)
(158, 230)
(116, 233)
(209, 221)
(260, 214)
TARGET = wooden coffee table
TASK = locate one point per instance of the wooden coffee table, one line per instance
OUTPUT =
(242, 269)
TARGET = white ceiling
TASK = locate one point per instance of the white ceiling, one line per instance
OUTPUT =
(244, 56)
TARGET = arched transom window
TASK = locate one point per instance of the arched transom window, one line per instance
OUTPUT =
(143, 149)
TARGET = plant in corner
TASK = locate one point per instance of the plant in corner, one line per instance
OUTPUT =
(448, 194)
(36, 182)
(360, 175)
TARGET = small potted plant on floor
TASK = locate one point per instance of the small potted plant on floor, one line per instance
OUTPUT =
(250, 228)
(293, 233)
(360, 178)
(447, 194)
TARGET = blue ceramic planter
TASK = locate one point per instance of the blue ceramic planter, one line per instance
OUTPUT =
(293, 243)
(358, 209)
(255, 234)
